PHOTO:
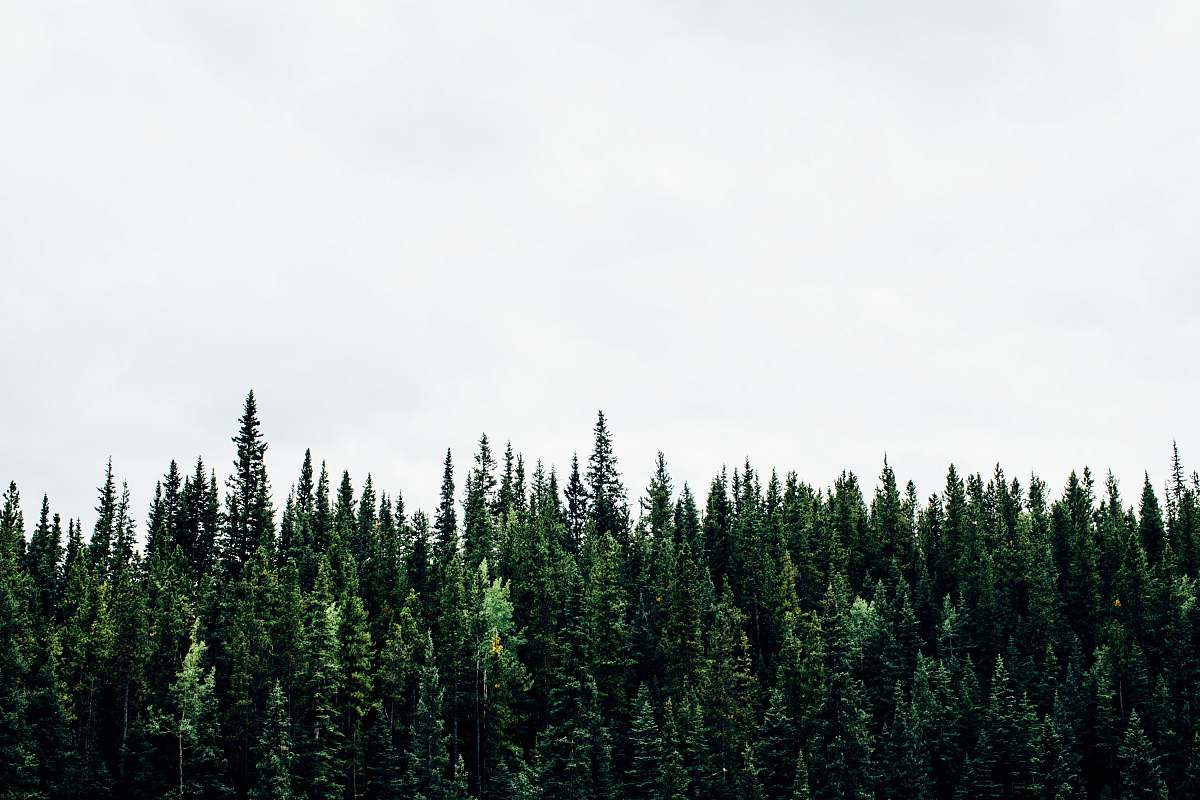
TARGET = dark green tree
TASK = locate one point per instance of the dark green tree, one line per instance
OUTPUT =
(249, 517)
(273, 775)
(1140, 776)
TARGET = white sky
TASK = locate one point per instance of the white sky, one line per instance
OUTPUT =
(805, 232)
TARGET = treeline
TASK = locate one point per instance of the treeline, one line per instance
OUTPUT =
(538, 637)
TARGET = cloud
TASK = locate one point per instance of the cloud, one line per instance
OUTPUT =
(805, 233)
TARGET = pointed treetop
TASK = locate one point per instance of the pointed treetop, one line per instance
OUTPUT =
(446, 522)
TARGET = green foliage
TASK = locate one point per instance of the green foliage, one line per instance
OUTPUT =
(1140, 775)
(273, 773)
(786, 640)
(194, 724)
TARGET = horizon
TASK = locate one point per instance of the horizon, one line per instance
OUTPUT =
(635, 491)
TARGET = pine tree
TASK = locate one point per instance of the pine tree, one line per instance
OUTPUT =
(644, 776)
(908, 754)
(1004, 762)
(426, 775)
(322, 741)
(248, 512)
(606, 494)
(478, 523)
(18, 760)
(560, 652)
(43, 563)
(50, 724)
(362, 538)
(200, 761)
(727, 688)
(577, 507)
(199, 520)
(1150, 526)
(12, 530)
(842, 739)
(800, 790)
(776, 747)
(1140, 776)
(571, 760)
(355, 660)
(1058, 772)
(273, 776)
(675, 779)
(657, 508)
(605, 606)
(384, 768)
(445, 525)
(104, 532)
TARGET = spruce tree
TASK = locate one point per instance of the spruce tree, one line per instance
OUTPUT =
(577, 507)
(606, 494)
(426, 775)
(776, 747)
(248, 512)
(322, 739)
(644, 776)
(273, 774)
(18, 760)
(200, 760)
(478, 522)
(58, 771)
(1140, 775)
(43, 563)
(355, 661)
(104, 531)
(445, 524)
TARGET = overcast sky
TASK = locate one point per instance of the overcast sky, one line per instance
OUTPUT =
(809, 233)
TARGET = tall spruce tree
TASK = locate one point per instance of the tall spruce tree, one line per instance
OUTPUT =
(249, 517)
(606, 493)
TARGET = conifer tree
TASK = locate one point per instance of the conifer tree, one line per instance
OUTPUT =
(100, 545)
(12, 530)
(248, 512)
(18, 760)
(776, 747)
(43, 563)
(355, 686)
(1140, 776)
(644, 776)
(426, 776)
(445, 524)
(1058, 772)
(199, 520)
(273, 775)
(200, 761)
(675, 778)
(800, 790)
(384, 769)
(577, 507)
(905, 757)
(478, 523)
(1003, 764)
(606, 494)
(58, 772)
(570, 758)
(787, 642)
(322, 741)
(605, 609)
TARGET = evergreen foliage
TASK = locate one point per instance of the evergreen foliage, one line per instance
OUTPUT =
(772, 639)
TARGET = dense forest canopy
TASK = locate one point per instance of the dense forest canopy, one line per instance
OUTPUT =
(541, 636)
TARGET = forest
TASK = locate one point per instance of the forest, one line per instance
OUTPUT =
(561, 637)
